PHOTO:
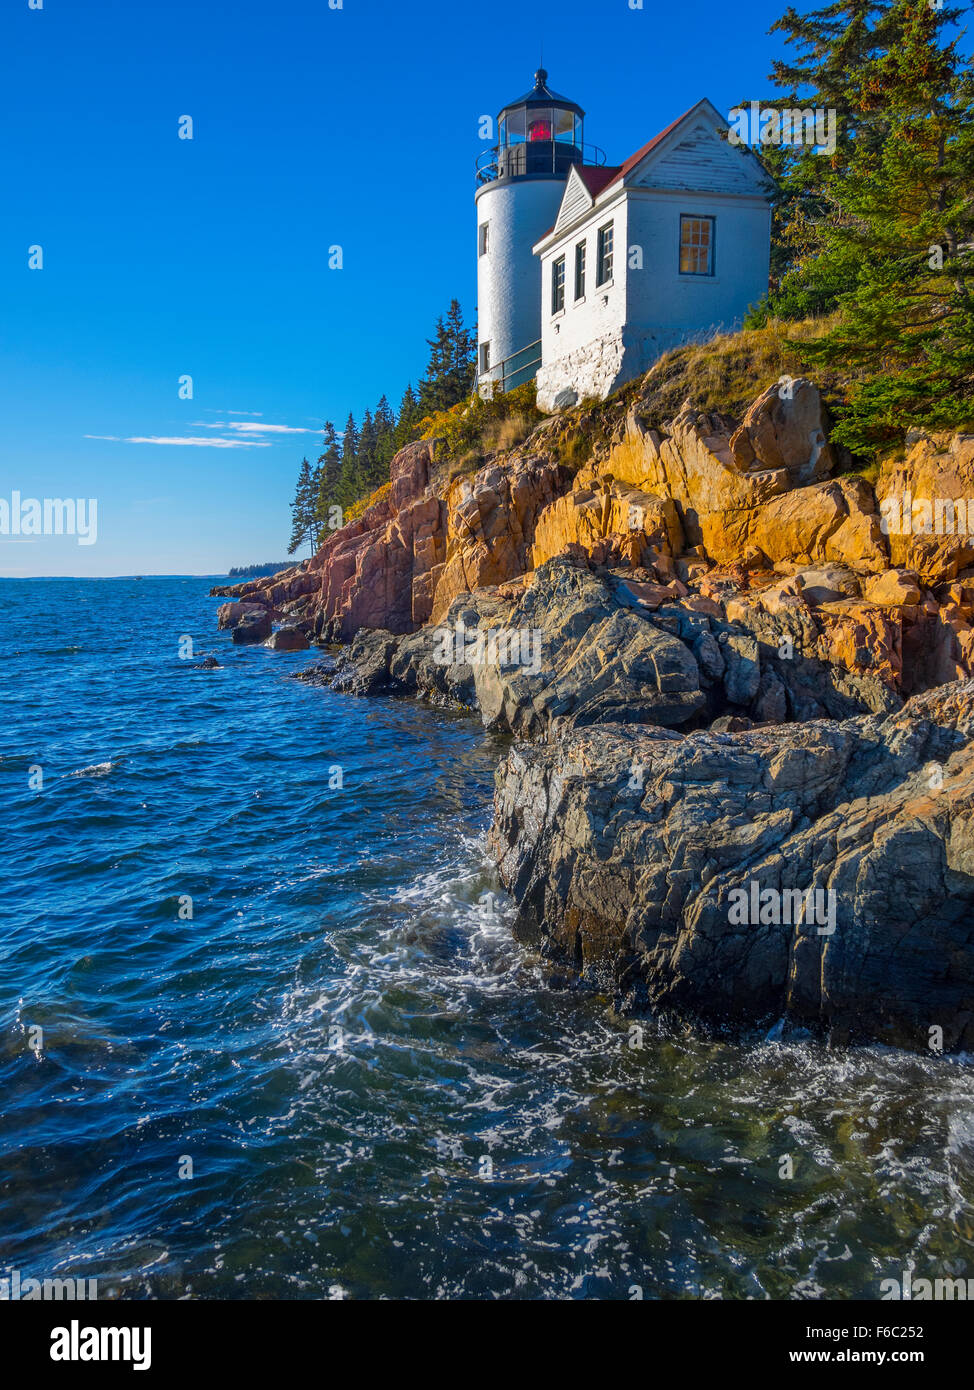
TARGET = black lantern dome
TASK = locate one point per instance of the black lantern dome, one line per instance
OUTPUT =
(540, 134)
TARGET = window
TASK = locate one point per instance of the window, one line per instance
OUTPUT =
(696, 245)
(558, 285)
(484, 358)
(605, 255)
(580, 270)
(484, 238)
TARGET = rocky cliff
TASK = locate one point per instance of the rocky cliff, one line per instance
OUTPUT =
(738, 683)
(729, 510)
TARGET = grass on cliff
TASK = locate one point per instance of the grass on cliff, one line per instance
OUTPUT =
(474, 429)
(723, 376)
(727, 373)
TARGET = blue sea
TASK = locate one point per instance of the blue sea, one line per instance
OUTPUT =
(265, 1032)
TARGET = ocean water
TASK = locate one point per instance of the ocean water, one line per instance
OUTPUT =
(340, 1076)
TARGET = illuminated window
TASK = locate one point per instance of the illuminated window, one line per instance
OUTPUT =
(696, 245)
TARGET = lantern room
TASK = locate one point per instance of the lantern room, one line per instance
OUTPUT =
(539, 134)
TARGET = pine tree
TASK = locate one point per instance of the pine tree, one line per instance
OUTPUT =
(327, 476)
(431, 393)
(366, 454)
(461, 347)
(449, 372)
(832, 45)
(349, 488)
(903, 213)
(304, 525)
(385, 446)
(406, 420)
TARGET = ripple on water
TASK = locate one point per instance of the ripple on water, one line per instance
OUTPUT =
(315, 995)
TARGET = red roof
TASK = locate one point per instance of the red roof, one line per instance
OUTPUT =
(595, 179)
(628, 165)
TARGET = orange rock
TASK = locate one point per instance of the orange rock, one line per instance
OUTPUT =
(927, 503)
(861, 637)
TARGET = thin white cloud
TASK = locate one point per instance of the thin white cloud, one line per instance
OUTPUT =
(113, 437)
(244, 427)
(247, 427)
(195, 443)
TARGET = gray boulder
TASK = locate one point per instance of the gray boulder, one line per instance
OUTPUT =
(633, 853)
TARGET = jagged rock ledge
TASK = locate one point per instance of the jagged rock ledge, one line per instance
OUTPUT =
(653, 783)
(719, 804)
(673, 868)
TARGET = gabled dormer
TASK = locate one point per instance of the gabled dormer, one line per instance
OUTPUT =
(585, 183)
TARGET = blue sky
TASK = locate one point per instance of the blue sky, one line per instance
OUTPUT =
(166, 257)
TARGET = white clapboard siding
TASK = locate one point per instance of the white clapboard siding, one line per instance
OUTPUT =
(702, 162)
(577, 200)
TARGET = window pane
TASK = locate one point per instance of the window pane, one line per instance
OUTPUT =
(558, 285)
(565, 126)
(605, 255)
(539, 125)
(515, 126)
(580, 270)
(696, 245)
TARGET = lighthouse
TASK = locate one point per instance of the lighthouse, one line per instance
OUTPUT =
(521, 181)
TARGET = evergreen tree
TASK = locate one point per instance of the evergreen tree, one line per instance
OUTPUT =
(408, 417)
(449, 372)
(832, 46)
(385, 446)
(304, 525)
(461, 350)
(431, 393)
(366, 473)
(348, 479)
(327, 475)
(902, 211)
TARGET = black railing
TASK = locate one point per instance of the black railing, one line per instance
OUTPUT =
(537, 157)
(513, 371)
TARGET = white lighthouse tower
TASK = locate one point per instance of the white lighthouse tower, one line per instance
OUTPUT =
(521, 183)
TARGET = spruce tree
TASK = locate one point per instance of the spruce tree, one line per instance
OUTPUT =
(831, 47)
(449, 372)
(349, 488)
(903, 212)
(327, 476)
(385, 446)
(431, 389)
(461, 348)
(366, 472)
(304, 524)
(407, 419)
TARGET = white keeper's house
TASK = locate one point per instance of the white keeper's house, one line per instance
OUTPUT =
(588, 272)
